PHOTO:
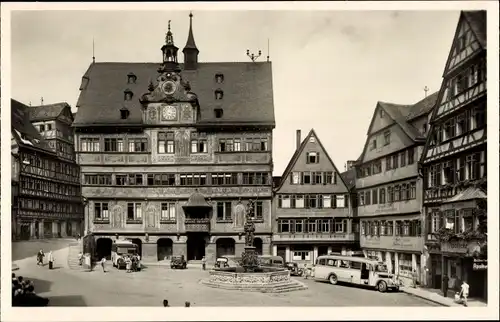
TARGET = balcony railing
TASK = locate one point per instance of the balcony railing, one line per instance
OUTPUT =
(315, 237)
(197, 225)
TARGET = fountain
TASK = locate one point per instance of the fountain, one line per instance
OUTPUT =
(250, 275)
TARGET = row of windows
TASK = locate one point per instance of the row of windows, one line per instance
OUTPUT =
(169, 211)
(49, 186)
(56, 169)
(468, 78)
(323, 225)
(387, 138)
(184, 179)
(312, 177)
(456, 220)
(167, 144)
(410, 228)
(467, 121)
(468, 167)
(49, 206)
(393, 161)
(312, 201)
(398, 192)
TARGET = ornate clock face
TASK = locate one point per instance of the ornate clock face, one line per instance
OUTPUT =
(169, 87)
(169, 113)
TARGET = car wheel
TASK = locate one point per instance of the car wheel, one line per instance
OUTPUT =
(333, 279)
(382, 286)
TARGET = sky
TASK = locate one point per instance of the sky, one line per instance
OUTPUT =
(329, 67)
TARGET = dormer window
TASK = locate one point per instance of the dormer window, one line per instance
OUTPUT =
(219, 94)
(219, 78)
(218, 113)
(128, 94)
(131, 78)
(124, 113)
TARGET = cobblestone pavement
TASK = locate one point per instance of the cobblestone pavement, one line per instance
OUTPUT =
(67, 287)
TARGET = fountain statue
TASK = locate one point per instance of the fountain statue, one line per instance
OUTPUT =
(249, 259)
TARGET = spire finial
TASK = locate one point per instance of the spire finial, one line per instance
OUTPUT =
(426, 89)
(93, 51)
(169, 25)
(190, 15)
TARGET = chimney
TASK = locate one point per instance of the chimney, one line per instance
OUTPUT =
(298, 139)
(350, 164)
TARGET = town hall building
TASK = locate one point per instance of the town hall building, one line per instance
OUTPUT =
(171, 154)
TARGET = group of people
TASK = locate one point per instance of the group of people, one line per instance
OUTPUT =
(132, 262)
(41, 255)
(23, 293)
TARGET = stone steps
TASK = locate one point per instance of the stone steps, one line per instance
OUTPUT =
(74, 250)
(269, 288)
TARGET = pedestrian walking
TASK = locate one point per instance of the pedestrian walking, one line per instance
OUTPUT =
(51, 259)
(187, 304)
(446, 280)
(40, 257)
(103, 264)
(464, 293)
(203, 262)
(306, 271)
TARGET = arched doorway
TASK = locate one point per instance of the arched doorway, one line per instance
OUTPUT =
(103, 248)
(225, 246)
(257, 243)
(164, 248)
(138, 242)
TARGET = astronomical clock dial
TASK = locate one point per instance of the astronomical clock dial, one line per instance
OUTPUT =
(169, 113)
(169, 87)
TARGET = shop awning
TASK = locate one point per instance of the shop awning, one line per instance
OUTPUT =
(471, 193)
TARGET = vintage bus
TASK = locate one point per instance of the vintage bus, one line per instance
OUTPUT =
(121, 248)
(354, 270)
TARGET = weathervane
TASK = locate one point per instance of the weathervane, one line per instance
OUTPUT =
(252, 56)
(426, 89)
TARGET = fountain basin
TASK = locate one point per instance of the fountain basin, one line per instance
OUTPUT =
(270, 280)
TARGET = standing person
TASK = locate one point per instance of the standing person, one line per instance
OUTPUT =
(187, 304)
(103, 264)
(128, 264)
(414, 277)
(40, 257)
(446, 280)
(464, 292)
(139, 262)
(306, 271)
(165, 303)
(51, 260)
(80, 258)
(204, 263)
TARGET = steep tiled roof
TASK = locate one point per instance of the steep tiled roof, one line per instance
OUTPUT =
(247, 87)
(297, 153)
(46, 112)
(470, 193)
(403, 114)
(477, 22)
(24, 132)
(349, 178)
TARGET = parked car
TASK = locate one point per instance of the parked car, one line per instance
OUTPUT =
(221, 262)
(293, 268)
(178, 261)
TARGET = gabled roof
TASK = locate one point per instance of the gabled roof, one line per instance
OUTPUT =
(298, 152)
(403, 115)
(349, 178)
(248, 92)
(477, 22)
(22, 129)
(47, 112)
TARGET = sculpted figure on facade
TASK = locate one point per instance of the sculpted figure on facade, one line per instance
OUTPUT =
(117, 216)
(239, 218)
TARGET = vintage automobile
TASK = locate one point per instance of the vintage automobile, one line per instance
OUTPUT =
(293, 268)
(178, 261)
(271, 261)
(221, 262)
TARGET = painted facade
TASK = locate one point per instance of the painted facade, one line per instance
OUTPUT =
(454, 165)
(174, 160)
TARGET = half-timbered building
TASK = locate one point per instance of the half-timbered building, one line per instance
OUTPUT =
(312, 207)
(454, 163)
(47, 199)
(172, 153)
(389, 187)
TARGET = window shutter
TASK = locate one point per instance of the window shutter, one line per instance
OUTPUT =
(323, 177)
(317, 157)
(279, 201)
(291, 177)
(307, 158)
(441, 219)
(313, 177)
(302, 178)
(334, 177)
(346, 201)
(334, 201)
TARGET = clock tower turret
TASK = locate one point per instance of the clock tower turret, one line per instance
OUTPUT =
(169, 50)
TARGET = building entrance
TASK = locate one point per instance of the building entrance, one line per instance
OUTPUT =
(196, 246)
